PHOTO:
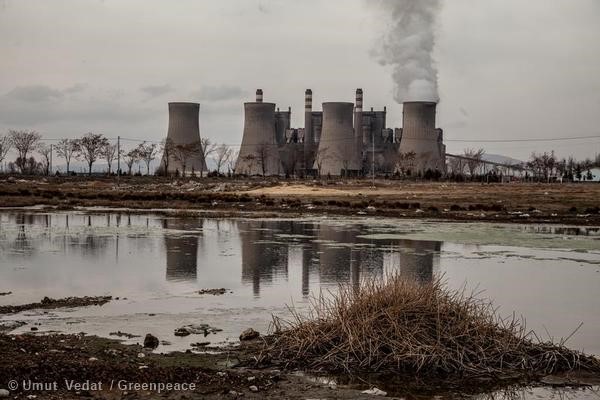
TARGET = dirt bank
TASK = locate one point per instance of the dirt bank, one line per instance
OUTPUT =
(47, 303)
(514, 202)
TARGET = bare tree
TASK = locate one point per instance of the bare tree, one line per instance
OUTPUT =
(67, 149)
(405, 162)
(5, 146)
(91, 147)
(456, 165)
(46, 153)
(168, 148)
(207, 149)
(183, 153)
(232, 161)
(109, 152)
(24, 142)
(222, 155)
(263, 153)
(542, 165)
(473, 159)
(321, 156)
(131, 157)
(147, 153)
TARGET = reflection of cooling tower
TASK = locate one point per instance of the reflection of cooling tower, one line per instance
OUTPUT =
(418, 264)
(420, 136)
(184, 130)
(182, 253)
(338, 153)
(258, 153)
(261, 259)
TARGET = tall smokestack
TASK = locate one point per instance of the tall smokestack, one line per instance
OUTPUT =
(358, 119)
(308, 130)
(259, 95)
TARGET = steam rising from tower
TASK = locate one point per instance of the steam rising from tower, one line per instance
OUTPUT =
(408, 47)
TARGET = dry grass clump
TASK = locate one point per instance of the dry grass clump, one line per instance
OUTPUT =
(427, 330)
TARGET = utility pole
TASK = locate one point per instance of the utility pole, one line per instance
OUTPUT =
(50, 170)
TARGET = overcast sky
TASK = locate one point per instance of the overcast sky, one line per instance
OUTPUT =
(508, 69)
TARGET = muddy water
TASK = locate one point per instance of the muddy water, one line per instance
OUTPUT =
(156, 265)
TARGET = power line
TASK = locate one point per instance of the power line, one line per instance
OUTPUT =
(522, 140)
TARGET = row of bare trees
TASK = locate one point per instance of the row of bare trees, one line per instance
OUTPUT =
(546, 166)
(223, 155)
(93, 147)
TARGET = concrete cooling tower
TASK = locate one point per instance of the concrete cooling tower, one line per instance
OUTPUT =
(183, 130)
(259, 154)
(419, 135)
(337, 153)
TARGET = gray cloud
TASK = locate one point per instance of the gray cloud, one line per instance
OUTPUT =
(77, 88)
(34, 94)
(156, 90)
(26, 106)
(219, 93)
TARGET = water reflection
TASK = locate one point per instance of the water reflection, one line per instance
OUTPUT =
(182, 250)
(267, 250)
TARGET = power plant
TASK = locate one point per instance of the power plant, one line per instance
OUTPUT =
(184, 137)
(340, 140)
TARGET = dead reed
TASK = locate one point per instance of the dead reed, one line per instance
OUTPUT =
(402, 327)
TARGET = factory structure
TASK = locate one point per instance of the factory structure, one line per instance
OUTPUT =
(340, 140)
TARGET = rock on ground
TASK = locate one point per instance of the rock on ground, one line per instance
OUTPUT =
(150, 341)
(249, 334)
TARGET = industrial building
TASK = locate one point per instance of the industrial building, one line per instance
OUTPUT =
(342, 139)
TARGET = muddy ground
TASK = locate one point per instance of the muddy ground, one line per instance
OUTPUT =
(110, 368)
(510, 202)
(58, 366)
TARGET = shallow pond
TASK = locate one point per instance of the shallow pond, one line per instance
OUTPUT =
(156, 266)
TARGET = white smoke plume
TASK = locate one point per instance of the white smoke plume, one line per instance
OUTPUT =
(408, 47)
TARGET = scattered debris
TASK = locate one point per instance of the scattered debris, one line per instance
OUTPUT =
(214, 292)
(375, 392)
(124, 334)
(6, 326)
(253, 388)
(200, 344)
(200, 329)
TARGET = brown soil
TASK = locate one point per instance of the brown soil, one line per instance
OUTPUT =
(226, 373)
(61, 358)
(512, 202)
(48, 303)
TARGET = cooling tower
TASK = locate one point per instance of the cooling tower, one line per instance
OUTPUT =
(338, 153)
(259, 154)
(184, 130)
(420, 136)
